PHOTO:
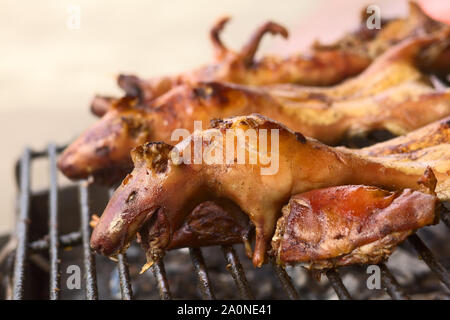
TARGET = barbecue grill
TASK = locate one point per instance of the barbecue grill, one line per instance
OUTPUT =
(37, 243)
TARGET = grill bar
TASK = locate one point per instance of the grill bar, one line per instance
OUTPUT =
(124, 277)
(65, 241)
(337, 284)
(38, 154)
(445, 216)
(390, 283)
(428, 257)
(285, 280)
(89, 259)
(22, 226)
(159, 271)
(237, 272)
(124, 274)
(200, 269)
(55, 271)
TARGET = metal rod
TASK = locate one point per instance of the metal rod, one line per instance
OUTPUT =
(428, 257)
(34, 155)
(22, 227)
(55, 272)
(285, 281)
(124, 273)
(237, 272)
(391, 285)
(65, 241)
(89, 259)
(200, 269)
(39, 154)
(124, 276)
(159, 271)
(445, 216)
(338, 285)
(7, 281)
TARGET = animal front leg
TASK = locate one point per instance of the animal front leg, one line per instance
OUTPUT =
(261, 243)
(264, 229)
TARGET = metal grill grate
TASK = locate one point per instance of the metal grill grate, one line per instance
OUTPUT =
(54, 242)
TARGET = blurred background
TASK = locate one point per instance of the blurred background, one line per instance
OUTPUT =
(50, 69)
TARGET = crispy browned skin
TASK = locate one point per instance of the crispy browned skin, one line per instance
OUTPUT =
(345, 225)
(434, 134)
(170, 191)
(210, 223)
(322, 68)
(395, 66)
(392, 94)
(325, 65)
(222, 223)
(427, 146)
(329, 65)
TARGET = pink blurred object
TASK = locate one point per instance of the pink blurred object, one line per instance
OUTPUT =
(330, 19)
(438, 9)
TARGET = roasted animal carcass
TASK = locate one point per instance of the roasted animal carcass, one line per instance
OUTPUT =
(428, 146)
(325, 65)
(421, 144)
(373, 43)
(164, 188)
(319, 229)
(346, 225)
(211, 223)
(222, 223)
(391, 94)
(397, 65)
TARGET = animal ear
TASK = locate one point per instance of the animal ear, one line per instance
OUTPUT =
(137, 154)
(131, 84)
(155, 154)
(428, 180)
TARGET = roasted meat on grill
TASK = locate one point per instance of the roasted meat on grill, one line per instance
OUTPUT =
(325, 65)
(391, 94)
(165, 189)
(398, 65)
(319, 229)
(211, 223)
(428, 146)
(345, 225)
(421, 144)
